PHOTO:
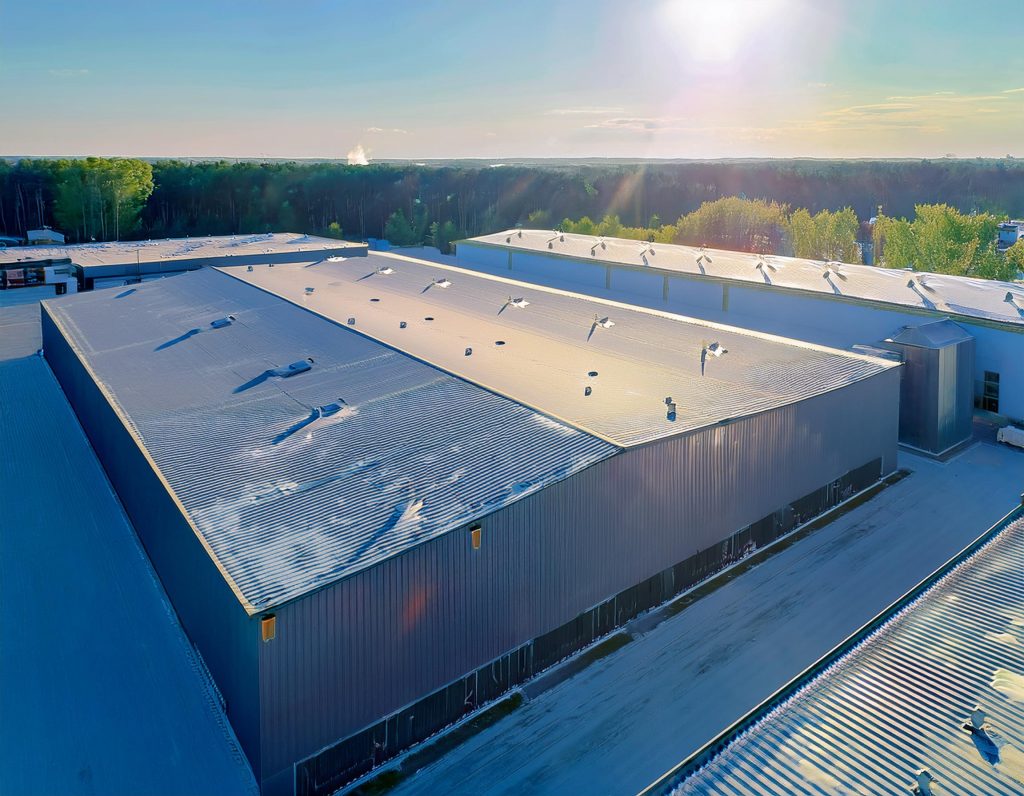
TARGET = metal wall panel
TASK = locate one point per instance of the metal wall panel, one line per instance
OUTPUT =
(207, 608)
(373, 643)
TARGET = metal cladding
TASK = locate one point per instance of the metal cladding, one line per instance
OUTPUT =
(604, 367)
(937, 390)
(903, 700)
(957, 295)
(288, 497)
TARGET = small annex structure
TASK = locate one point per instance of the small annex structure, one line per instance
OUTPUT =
(120, 263)
(924, 700)
(829, 303)
(381, 492)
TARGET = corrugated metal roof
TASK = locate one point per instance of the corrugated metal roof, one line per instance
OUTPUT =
(90, 255)
(287, 501)
(931, 335)
(897, 703)
(549, 347)
(956, 295)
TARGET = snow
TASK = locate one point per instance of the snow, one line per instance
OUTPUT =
(626, 719)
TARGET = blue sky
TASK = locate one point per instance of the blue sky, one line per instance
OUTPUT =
(665, 78)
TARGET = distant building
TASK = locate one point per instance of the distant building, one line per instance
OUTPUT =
(6, 241)
(45, 277)
(44, 237)
(1009, 232)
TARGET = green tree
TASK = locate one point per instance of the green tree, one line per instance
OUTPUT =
(399, 231)
(334, 230)
(734, 223)
(825, 236)
(1015, 259)
(942, 240)
(102, 198)
(442, 235)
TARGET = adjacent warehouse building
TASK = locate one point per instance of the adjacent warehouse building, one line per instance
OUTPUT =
(927, 699)
(114, 264)
(381, 492)
(829, 303)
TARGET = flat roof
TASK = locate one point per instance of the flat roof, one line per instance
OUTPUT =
(102, 691)
(91, 255)
(548, 349)
(952, 295)
(286, 498)
(898, 702)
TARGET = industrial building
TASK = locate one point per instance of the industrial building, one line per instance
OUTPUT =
(115, 264)
(925, 699)
(380, 492)
(828, 303)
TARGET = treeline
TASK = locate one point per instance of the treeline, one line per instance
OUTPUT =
(937, 238)
(117, 198)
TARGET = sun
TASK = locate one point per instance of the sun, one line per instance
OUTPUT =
(715, 31)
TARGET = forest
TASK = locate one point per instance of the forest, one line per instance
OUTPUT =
(809, 207)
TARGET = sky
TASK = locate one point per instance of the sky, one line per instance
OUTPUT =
(535, 78)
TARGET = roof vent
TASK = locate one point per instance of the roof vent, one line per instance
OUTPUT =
(309, 291)
(220, 323)
(519, 302)
(520, 233)
(469, 352)
(923, 780)
(351, 321)
(332, 408)
(702, 258)
(762, 263)
(710, 349)
(294, 368)
(670, 409)
(385, 270)
(587, 390)
(270, 265)
(248, 268)
(1009, 298)
(442, 282)
(402, 324)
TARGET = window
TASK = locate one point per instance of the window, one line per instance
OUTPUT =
(990, 392)
(474, 535)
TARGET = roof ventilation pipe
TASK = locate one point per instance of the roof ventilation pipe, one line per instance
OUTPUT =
(923, 781)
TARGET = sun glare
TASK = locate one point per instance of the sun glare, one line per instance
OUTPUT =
(714, 31)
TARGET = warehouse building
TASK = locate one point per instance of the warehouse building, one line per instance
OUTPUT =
(925, 699)
(115, 264)
(829, 303)
(381, 492)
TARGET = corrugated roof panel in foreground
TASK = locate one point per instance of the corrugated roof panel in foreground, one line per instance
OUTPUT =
(955, 295)
(603, 366)
(897, 703)
(289, 501)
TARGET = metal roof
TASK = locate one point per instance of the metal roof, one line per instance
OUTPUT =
(956, 295)
(897, 702)
(938, 334)
(93, 255)
(287, 498)
(551, 342)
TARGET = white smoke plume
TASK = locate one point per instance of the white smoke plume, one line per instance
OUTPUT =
(357, 156)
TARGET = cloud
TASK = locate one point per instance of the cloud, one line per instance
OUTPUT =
(585, 110)
(68, 72)
(397, 130)
(647, 123)
(357, 156)
(819, 85)
(1014, 91)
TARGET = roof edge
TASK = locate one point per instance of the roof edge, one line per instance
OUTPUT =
(250, 609)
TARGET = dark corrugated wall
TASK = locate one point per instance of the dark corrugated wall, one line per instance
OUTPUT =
(212, 616)
(382, 639)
